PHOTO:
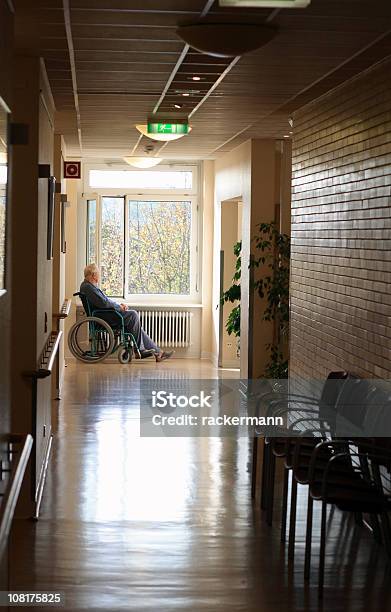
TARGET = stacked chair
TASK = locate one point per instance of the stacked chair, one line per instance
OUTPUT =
(343, 471)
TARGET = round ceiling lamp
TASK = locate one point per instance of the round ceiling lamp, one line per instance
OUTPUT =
(226, 39)
(143, 129)
(143, 162)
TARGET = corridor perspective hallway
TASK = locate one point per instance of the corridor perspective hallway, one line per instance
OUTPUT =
(131, 523)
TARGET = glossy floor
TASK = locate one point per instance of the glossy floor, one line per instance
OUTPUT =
(131, 523)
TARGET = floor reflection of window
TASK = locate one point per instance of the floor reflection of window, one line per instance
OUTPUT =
(135, 478)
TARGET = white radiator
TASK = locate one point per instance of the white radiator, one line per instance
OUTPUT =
(169, 328)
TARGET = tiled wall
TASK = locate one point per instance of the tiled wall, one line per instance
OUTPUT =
(341, 230)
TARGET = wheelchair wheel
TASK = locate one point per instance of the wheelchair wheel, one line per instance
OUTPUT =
(124, 355)
(91, 340)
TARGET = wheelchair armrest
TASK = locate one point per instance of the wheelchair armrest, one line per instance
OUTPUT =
(106, 310)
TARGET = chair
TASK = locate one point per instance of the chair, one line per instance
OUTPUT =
(345, 472)
(93, 339)
(351, 489)
(320, 409)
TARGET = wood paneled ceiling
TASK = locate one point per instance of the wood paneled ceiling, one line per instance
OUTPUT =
(112, 62)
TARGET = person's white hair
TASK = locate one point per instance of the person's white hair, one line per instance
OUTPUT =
(90, 270)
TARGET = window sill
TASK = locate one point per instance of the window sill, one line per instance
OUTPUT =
(162, 305)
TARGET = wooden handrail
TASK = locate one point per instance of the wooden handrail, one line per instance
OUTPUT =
(19, 449)
(65, 310)
(48, 356)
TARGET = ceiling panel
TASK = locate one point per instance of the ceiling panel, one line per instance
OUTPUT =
(127, 55)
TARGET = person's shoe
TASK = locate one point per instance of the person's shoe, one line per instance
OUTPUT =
(145, 354)
(163, 356)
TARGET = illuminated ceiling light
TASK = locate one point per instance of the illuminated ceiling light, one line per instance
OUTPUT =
(143, 162)
(196, 78)
(143, 129)
(177, 105)
(266, 3)
(185, 93)
(225, 39)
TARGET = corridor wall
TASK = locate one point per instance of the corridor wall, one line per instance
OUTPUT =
(6, 45)
(31, 270)
(257, 173)
(341, 221)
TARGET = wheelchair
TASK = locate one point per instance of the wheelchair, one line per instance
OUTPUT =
(92, 339)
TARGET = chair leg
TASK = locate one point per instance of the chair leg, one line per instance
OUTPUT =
(271, 479)
(385, 523)
(284, 504)
(308, 538)
(292, 521)
(254, 468)
(375, 524)
(322, 549)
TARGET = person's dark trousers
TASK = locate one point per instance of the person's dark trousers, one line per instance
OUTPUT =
(133, 325)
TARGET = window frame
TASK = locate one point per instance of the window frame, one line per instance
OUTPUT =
(154, 195)
(97, 227)
(141, 190)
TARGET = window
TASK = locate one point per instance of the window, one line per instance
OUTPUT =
(92, 253)
(159, 247)
(112, 245)
(145, 244)
(145, 179)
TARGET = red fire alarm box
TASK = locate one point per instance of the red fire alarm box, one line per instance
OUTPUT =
(72, 170)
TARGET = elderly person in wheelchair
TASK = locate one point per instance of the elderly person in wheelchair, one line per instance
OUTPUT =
(108, 323)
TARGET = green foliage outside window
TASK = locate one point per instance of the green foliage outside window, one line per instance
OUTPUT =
(159, 247)
(112, 246)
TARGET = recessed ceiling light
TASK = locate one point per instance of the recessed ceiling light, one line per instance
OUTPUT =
(178, 105)
(286, 136)
(185, 93)
(196, 78)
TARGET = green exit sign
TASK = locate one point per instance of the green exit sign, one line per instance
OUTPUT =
(168, 128)
(266, 3)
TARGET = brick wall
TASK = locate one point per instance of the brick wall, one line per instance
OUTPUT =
(341, 238)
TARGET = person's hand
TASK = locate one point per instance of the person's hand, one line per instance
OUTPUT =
(123, 307)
